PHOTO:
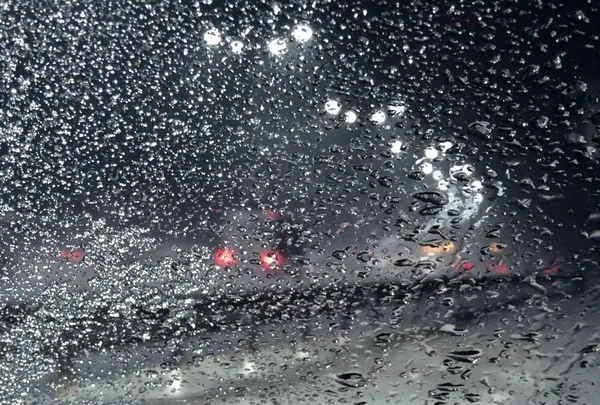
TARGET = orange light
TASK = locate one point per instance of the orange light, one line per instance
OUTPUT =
(271, 258)
(446, 247)
(494, 248)
(225, 257)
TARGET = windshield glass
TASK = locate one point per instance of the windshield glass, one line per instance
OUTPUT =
(262, 202)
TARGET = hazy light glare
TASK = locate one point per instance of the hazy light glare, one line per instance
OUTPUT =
(397, 109)
(302, 33)
(466, 169)
(427, 168)
(431, 153)
(277, 46)
(396, 147)
(350, 117)
(445, 146)
(476, 185)
(212, 37)
(333, 107)
(236, 46)
(378, 117)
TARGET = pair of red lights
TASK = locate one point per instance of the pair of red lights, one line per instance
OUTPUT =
(226, 257)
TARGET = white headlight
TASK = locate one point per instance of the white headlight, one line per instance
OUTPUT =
(277, 46)
(236, 46)
(378, 117)
(302, 33)
(350, 116)
(333, 107)
(396, 147)
(212, 37)
(427, 168)
(431, 152)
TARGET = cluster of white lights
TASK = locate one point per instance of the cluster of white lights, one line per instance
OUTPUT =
(300, 33)
(334, 107)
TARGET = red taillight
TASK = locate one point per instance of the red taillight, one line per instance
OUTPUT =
(271, 258)
(74, 256)
(273, 215)
(225, 257)
(500, 269)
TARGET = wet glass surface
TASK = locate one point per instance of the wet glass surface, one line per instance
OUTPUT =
(299, 203)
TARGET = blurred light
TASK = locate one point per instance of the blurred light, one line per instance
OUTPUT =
(273, 215)
(176, 384)
(212, 37)
(437, 175)
(302, 354)
(466, 169)
(476, 185)
(397, 109)
(277, 46)
(427, 168)
(271, 258)
(431, 152)
(249, 367)
(302, 33)
(378, 117)
(445, 146)
(350, 116)
(225, 258)
(396, 147)
(74, 256)
(333, 107)
(443, 185)
(445, 247)
(236, 46)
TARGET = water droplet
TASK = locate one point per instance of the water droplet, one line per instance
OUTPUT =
(430, 210)
(480, 128)
(406, 262)
(472, 398)
(466, 356)
(352, 380)
(385, 181)
(453, 330)
(450, 387)
(339, 254)
(432, 197)
(364, 257)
